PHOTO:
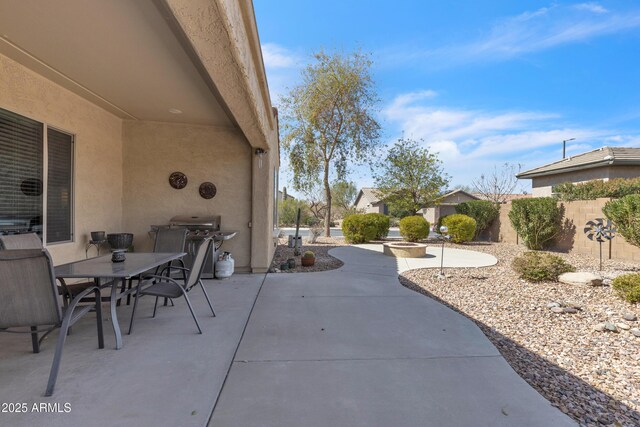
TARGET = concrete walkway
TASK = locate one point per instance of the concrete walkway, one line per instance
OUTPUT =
(352, 347)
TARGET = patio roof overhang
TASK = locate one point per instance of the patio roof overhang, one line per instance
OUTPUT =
(144, 59)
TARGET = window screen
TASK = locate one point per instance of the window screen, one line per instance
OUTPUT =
(59, 186)
(20, 174)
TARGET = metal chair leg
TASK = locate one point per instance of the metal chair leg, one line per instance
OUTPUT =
(99, 319)
(133, 312)
(34, 339)
(155, 307)
(206, 295)
(186, 298)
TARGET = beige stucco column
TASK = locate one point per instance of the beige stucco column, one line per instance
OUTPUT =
(263, 241)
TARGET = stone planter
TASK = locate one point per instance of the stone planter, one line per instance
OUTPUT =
(404, 249)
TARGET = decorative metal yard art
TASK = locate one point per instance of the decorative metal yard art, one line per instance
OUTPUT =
(444, 235)
(601, 231)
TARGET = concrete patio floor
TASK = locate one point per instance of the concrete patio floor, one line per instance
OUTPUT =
(352, 347)
(349, 347)
(165, 375)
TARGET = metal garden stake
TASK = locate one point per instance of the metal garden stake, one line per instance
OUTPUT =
(444, 236)
(601, 231)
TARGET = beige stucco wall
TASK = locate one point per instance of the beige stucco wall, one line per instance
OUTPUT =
(542, 186)
(223, 36)
(152, 151)
(572, 239)
(98, 150)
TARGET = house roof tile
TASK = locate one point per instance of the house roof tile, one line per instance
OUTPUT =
(604, 156)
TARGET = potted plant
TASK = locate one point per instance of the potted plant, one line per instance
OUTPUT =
(308, 259)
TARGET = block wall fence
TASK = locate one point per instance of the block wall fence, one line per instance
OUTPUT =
(572, 239)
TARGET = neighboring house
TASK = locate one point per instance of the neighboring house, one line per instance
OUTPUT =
(505, 198)
(368, 202)
(446, 205)
(283, 195)
(100, 101)
(604, 163)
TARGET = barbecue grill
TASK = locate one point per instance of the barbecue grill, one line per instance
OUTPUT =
(198, 229)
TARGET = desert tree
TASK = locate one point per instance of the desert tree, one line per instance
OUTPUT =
(329, 121)
(410, 177)
(496, 185)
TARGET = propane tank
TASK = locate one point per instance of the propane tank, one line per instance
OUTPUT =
(225, 266)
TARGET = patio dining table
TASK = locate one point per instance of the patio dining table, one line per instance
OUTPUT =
(102, 267)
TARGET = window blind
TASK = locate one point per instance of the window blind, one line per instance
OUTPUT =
(59, 186)
(20, 174)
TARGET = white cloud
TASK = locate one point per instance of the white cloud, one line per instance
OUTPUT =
(276, 56)
(533, 31)
(591, 7)
(470, 142)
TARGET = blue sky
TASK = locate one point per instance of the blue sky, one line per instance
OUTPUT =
(482, 82)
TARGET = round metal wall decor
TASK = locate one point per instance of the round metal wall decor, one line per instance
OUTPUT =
(31, 187)
(178, 180)
(207, 190)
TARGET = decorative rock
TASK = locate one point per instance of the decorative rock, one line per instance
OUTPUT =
(611, 327)
(580, 278)
(570, 310)
(623, 326)
(631, 317)
(557, 309)
(636, 332)
(573, 305)
(553, 304)
(600, 327)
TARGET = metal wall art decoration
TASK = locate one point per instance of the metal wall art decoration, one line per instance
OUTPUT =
(207, 190)
(178, 180)
(601, 231)
(31, 187)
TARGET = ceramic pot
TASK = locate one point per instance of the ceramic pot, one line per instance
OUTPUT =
(292, 262)
(308, 261)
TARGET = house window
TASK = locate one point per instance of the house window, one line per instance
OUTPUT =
(36, 169)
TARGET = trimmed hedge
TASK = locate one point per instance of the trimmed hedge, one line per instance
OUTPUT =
(462, 228)
(540, 266)
(628, 287)
(590, 190)
(381, 223)
(483, 211)
(537, 220)
(414, 228)
(625, 213)
(360, 228)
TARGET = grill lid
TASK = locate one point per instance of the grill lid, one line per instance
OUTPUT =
(212, 221)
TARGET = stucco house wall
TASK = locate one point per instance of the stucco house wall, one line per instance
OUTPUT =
(153, 150)
(447, 206)
(98, 150)
(542, 186)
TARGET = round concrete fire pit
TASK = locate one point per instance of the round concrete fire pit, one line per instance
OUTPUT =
(405, 249)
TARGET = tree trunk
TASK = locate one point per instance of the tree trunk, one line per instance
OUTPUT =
(327, 191)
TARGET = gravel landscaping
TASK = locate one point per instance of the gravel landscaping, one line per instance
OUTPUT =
(556, 336)
(324, 261)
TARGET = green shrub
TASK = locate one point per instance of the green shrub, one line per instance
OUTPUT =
(537, 220)
(595, 189)
(625, 213)
(308, 254)
(380, 222)
(462, 228)
(628, 287)
(358, 229)
(414, 228)
(483, 211)
(540, 266)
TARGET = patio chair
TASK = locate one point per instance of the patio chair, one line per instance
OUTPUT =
(30, 298)
(162, 286)
(167, 240)
(32, 241)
